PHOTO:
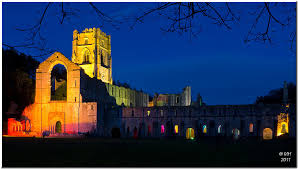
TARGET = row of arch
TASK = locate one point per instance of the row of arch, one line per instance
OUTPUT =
(190, 132)
(176, 129)
(17, 128)
(20, 127)
(267, 133)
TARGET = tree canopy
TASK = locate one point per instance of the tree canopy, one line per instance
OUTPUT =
(18, 80)
(275, 96)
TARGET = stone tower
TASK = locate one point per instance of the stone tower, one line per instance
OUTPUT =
(91, 50)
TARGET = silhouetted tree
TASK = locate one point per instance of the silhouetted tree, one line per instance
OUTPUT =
(18, 80)
(187, 17)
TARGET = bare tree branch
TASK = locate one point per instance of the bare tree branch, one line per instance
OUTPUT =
(293, 43)
(180, 17)
(184, 17)
(232, 13)
(40, 20)
(219, 16)
(37, 42)
(160, 8)
(104, 17)
(263, 36)
(269, 12)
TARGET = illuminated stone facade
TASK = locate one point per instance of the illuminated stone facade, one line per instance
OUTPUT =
(182, 99)
(91, 50)
(96, 105)
(92, 104)
(127, 97)
(73, 114)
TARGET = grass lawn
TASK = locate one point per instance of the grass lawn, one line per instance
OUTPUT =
(108, 152)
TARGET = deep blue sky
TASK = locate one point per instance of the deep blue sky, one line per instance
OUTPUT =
(217, 63)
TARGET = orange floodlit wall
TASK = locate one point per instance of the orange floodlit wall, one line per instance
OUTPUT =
(23, 126)
(71, 115)
(15, 128)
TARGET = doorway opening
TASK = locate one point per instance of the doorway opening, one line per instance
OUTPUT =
(58, 127)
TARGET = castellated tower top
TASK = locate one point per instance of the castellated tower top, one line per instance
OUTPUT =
(91, 50)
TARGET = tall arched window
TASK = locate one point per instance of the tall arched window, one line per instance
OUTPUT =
(59, 82)
(190, 133)
(102, 58)
(236, 133)
(176, 129)
(219, 129)
(251, 128)
(204, 129)
(86, 57)
(283, 129)
(162, 129)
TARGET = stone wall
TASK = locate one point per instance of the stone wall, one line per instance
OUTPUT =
(128, 97)
(219, 120)
(181, 99)
(73, 114)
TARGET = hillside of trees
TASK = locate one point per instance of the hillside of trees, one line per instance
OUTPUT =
(18, 80)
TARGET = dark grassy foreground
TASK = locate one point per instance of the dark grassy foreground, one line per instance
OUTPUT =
(100, 152)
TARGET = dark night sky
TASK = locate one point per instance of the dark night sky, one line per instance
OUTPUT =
(217, 63)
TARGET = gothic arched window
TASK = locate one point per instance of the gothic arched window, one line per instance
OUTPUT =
(86, 57)
(102, 58)
(251, 127)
